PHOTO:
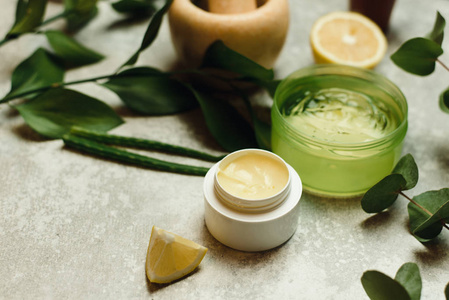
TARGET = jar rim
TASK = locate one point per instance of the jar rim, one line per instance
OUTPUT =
(353, 72)
(248, 204)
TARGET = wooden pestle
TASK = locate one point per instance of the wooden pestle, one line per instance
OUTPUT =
(231, 6)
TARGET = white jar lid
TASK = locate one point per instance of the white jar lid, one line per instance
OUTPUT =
(256, 224)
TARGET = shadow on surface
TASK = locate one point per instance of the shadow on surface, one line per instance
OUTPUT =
(377, 220)
(433, 253)
(25, 132)
(153, 288)
(237, 258)
(130, 20)
(337, 204)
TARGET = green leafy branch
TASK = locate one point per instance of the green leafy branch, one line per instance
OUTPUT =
(428, 212)
(420, 55)
(406, 285)
(52, 110)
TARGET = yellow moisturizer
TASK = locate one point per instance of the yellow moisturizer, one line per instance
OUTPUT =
(253, 176)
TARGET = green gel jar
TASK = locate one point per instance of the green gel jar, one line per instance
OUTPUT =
(340, 127)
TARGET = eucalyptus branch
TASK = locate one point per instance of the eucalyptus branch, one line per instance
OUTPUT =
(442, 64)
(422, 208)
(428, 212)
(414, 202)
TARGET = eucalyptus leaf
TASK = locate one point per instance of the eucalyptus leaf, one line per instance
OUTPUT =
(151, 92)
(70, 50)
(417, 56)
(29, 15)
(134, 6)
(437, 33)
(39, 70)
(407, 167)
(225, 124)
(437, 203)
(379, 286)
(444, 101)
(383, 194)
(409, 277)
(425, 225)
(79, 13)
(54, 112)
(151, 32)
(219, 56)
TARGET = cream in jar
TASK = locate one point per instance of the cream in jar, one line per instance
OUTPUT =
(251, 200)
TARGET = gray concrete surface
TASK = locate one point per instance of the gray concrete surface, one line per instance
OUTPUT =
(76, 227)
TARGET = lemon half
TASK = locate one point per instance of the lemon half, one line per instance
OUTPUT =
(347, 38)
(171, 256)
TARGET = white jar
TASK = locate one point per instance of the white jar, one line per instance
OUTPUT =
(249, 224)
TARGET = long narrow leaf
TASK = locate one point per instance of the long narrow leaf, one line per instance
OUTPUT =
(151, 92)
(41, 69)
(70, 50)
(27, 19)
(150, 34)
(218, 55)
(53, 113)
(224, 122)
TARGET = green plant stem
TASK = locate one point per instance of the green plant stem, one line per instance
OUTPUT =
(422, 208)
(442, 64)
(116, 140)
(55, 85)
(94, 79)
(45, 22)
(124, 156)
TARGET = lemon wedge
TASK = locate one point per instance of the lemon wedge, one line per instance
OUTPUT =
(347, 38)
(171, 256)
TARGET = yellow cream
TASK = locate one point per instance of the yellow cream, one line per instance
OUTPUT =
(253, 176)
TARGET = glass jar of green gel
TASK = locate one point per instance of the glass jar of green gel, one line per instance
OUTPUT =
(341, 128)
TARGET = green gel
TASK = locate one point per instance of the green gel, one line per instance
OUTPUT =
(341, 128)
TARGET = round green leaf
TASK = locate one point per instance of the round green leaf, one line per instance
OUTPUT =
(70, 50)
(417, 56)
(446, 291)
(54, 112)
(383, 194)
(379, 286)
(424, 225)
(407, 167)
(151, 92)
(437, 33)
(444, 101)
(410, 278)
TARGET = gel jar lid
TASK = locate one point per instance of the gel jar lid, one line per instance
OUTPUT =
(251, 200)
(252, 180)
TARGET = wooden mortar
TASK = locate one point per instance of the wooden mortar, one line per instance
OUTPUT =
(258, 34)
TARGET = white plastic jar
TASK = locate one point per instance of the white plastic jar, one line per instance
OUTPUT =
(248, 219)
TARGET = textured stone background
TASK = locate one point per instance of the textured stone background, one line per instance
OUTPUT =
(75, 227)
